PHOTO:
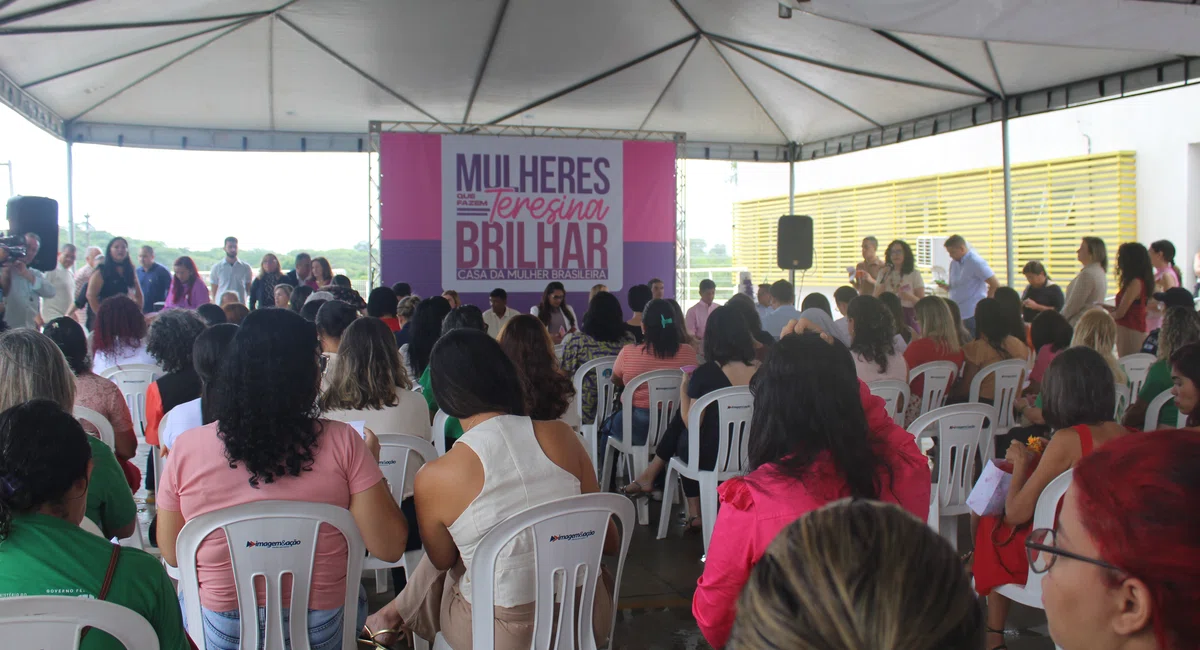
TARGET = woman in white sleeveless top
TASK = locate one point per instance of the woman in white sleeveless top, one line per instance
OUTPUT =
(503, 464)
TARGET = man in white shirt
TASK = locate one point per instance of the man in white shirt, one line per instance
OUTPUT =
(230, 274)
(696, 318)
(62, 278)
(23, 287)
(499, 315)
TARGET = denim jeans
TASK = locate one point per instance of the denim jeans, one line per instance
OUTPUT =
(222, 630)
(641, 428)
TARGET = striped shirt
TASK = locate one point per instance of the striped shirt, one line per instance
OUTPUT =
(636, 359)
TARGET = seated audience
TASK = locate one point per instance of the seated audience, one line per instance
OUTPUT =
(684, 335)
(45, 462)
(266, 443)
(465, 317)
(548, 390)
(369, 384)
(342, 280)
(1050, 334)
(936, 341)
(172, 337)
(211, 314)
(664, 349)
(405, 308)
(1041, 295)
(1095, 329)
(109, 498)
(187, 290)
(309, 311)
(995, 343)
(729, 361)
(904, 333)
(283, 295)
(841, 298)
(555, 313)
(817, 437)
(382, 304)
(505, 463)
(639, 295)
(119, 335)
(235, 313)
(782, 310)
(1123, 561)
(229, 298)
(749, 311)
(1174, 297)
(839, 577)
(602, 334)
(426, 330)
(270, 275)
(964, 335)
(332, 319)
(402, 290)
(451, 296)
(207, 352)
(299, 297)
(1010, 304)
(596, 288)
(1079, 403)
(1180, 327)
(97, 393)
(873, 333)
(1185, 375)
(498, 313)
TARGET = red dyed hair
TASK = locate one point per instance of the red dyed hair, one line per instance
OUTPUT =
(119, 325)
(1137, 499)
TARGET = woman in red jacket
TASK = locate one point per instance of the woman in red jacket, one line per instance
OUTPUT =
(818, 435)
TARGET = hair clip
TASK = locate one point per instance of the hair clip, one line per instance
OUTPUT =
(666, 321)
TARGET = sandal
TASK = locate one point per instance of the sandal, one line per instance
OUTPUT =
(371, 640)
(1001, 633)
(694, 525)
(635, 490)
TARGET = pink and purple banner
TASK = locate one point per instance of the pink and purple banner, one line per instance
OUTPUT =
(473, 213)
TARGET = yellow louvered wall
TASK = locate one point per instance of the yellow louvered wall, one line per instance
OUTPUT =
(1055, 203)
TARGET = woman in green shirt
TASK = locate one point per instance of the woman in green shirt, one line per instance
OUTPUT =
(1181, 326)
(45, 467)
(33, 367)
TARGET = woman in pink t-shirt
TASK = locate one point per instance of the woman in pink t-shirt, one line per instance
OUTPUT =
(267, 443)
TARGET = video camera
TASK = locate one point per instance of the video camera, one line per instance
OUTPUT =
(12, 247)
(31, 214)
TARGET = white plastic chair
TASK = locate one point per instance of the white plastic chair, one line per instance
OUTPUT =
(268, 539)
(602, 368)
(1136, 367)
(134, 380)
(1123, 399)
(567, 536)
(735, 407)
(58, 621)
(1154, 410)
(938, 376)
(963, 431)
(1009, 377)
(664, 403)
(400, 456)
(895, 394)
(1044, 512)
(84, 414)
(438, 431)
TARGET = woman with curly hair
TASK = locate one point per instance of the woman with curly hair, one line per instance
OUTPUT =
(268, 442)
(170, 342)
(901, 277)
(119, 335)
(1135, 275)
(873, 341)
(188, 290)
(548, 390)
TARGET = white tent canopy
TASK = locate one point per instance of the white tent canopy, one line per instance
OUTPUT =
(740, 81)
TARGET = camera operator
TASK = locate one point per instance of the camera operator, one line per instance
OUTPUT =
(23, 287)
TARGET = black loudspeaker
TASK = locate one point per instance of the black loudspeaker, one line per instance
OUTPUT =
(36, 214)
(795, 244)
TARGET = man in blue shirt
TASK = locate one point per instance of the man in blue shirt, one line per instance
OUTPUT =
(154, 279)
(783, 308)
(971, 279)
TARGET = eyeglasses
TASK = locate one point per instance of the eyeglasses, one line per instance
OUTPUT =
(1042, 552)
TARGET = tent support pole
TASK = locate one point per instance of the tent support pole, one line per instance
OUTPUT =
(792, 198)
(70, 193)
(1008, 208)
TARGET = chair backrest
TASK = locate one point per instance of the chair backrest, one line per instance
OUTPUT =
(400, 456)
(134, 380)
(558, 351)
(101, 423)
(1154, 410)
(1124, 398)
(604, 387)
(664, 402)
(964, 432)
(734, 406)
(895, 394)
(568, 538)
(267, 540)
(438, 431)
(58, 621)
(1136, 367)
(1009, 377)
(1044, 514)
(938, 375)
